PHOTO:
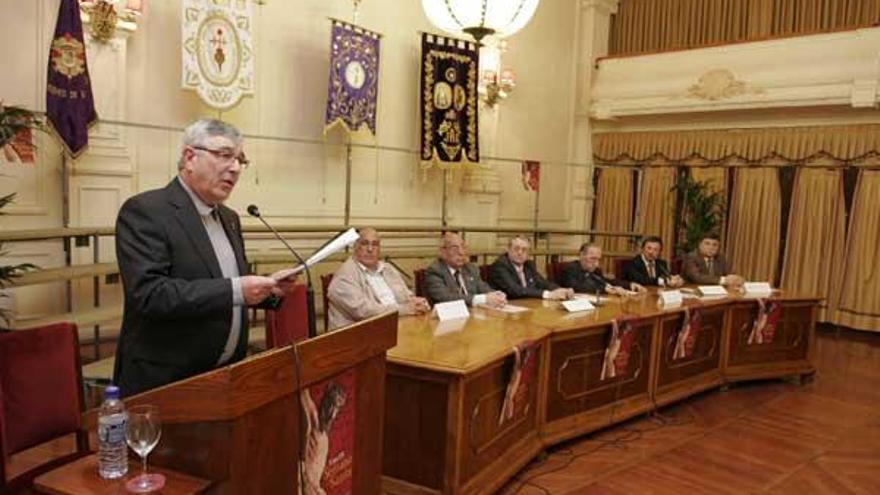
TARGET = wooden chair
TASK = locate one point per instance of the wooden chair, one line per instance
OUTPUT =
(619, 265)
(419, 275)
(485, 270)
(288, 323)
(325, 297)
(41, 397)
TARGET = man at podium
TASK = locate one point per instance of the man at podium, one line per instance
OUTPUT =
(184, 272)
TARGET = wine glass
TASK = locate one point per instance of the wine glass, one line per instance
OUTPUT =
(142, 435)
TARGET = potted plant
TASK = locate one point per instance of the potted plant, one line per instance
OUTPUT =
(700, 210)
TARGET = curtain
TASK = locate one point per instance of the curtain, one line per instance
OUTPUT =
(860, 298)
(657, 206)
(614, 209)
(642, 26)
(816, 235)
(754, 224)
(789, 145)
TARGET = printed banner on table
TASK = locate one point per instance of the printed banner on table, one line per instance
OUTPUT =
(619, 348)
(70, 106)
(329, 411)
(449, 102)
(522, 376)
(764, 327)
(531, 175)
(688, 333)
(353, 89)
(217, 52)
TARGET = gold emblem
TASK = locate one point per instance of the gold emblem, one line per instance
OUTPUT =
(103, 20)
(68, 56)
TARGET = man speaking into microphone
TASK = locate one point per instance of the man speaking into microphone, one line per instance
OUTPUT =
(584, 275)
(184, 272)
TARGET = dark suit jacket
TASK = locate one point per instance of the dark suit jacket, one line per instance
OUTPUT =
(636, 271)
(502, 276)
(441, 287)
(178, 306)
(695, 271)
(575, 277)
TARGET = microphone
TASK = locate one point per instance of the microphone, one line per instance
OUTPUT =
(599, 289)
(310, 290)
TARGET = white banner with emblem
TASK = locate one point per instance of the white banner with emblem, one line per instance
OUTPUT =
(217, 51)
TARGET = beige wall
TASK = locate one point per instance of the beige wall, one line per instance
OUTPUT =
(137, 79)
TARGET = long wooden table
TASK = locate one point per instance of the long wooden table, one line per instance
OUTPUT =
(446, 383)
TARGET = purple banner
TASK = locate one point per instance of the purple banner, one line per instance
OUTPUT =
(354, 78)
(70, 107)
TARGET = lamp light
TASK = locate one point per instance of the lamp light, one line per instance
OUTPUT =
(480, 18)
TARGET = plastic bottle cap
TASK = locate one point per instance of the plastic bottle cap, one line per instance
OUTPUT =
(111, 392)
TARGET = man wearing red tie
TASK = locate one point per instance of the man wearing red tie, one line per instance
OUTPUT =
(648, 268)
(706, 266)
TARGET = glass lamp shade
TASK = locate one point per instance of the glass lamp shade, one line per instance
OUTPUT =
(480, 18)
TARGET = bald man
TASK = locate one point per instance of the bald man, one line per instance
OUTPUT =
(451, 277)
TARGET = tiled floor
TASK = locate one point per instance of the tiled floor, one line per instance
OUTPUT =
(766, 437)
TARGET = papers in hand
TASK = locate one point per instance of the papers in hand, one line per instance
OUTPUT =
(337, 244)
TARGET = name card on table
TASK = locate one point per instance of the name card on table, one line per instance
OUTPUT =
(757, 288)
(713, 290)
(670, 297)
(578, 304)
(451, 310)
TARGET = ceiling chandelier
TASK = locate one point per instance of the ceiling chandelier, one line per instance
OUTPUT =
(480, 18)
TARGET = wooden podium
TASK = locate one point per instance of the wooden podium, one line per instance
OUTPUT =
(240, 426)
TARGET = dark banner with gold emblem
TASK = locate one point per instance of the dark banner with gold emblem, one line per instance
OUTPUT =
(354, 78)
(450, 68)
(70, 107)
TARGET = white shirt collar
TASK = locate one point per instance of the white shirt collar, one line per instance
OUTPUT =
(378, 271)
(646, 261)
(203, 208)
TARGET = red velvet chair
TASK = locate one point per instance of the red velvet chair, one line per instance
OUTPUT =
(554, 270)
(484, 272)
(325, 297)
(41, 397)
(419, 275)
(290, 322)
(619, 264)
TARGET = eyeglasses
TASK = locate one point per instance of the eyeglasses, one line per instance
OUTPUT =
(225, 155)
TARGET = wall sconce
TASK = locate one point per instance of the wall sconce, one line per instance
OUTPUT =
(496, 84)
(105, 16)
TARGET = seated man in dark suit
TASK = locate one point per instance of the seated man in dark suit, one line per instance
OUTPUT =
(706, 266)
(515, 274)
(584, 275)
(451, 277)
(648, 268)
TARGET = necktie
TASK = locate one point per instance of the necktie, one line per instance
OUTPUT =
(651, 272)
(460, 280)
(710, 266)
(522, 276)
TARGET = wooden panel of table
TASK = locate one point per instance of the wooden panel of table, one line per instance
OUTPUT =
(446, 382)
(81, 478)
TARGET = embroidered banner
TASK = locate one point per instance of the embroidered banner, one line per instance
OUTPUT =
(329, 410)
(449, 102)
(522, 376)
(619, 349)
(764, 327)
(688, 333)
(531, 175)
(217, 52)
(354, 78)
(70, 107)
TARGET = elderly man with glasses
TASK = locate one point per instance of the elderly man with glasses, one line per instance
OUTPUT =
(184, 272)
(364, 286)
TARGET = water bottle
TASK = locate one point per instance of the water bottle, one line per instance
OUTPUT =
(112, 449)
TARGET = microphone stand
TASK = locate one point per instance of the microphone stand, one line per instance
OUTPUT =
(600, 288)
(310, 290)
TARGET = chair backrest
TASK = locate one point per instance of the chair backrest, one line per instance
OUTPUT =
(325, 297)
(554, 270)
(288, 323)
(619, 266)
(677, 263)
(419, 275)
(41, 393)
(484, 272)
